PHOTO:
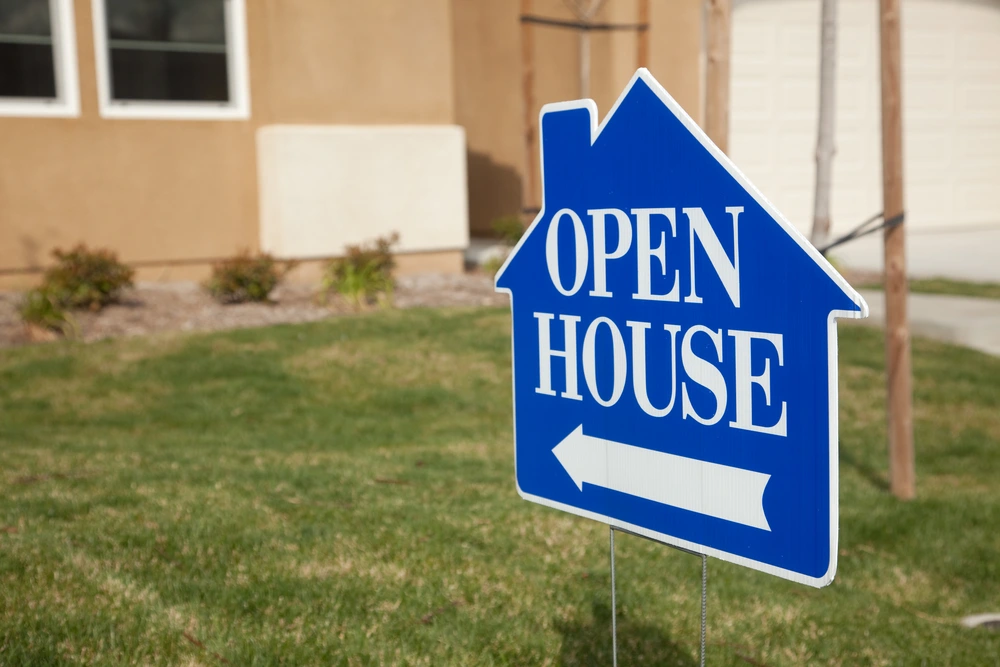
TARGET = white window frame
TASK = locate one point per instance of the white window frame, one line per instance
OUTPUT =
(66, 103)
(238, 106)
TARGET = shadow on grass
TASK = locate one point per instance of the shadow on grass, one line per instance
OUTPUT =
(638, 643)
(874, 477)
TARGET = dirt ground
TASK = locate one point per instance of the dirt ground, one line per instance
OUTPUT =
(155, 307)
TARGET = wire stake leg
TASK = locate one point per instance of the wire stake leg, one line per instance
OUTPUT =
(614, 610)
(704, 604)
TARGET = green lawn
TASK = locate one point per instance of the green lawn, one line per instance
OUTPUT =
(949, 287)
(955, 287)
(342, 493)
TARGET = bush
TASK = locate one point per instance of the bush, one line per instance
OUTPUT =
(364, 275)
(509, 228)
(41, 309)
(246, 278)
(493, 264)
(81, 278)
(85, 278)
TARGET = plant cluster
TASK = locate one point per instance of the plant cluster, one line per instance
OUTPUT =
(364, 276)
(92, 279)
(80, 279)
(509, 228)
(246, 277)
(40, 309)
(84, 278)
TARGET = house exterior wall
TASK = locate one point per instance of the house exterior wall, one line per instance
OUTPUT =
(152, 190)
(351, 62)
(168, 193)
(489, 91)
(172, 195)
(489, 104)
(334, 73)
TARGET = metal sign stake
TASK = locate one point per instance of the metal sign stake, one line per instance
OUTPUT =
(614, 606)
(614, 610)
(704, 604)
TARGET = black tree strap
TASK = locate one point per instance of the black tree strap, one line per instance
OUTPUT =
(583, 25)
(864, 229)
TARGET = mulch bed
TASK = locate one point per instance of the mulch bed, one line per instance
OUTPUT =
(156, 307)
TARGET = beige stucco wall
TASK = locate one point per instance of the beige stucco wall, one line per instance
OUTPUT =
(168, 191)
(489, 93)
(151, 190)
(675, 51)
(180, 191)
(328, 64)
(354, 61)
(488, 102)
(675, 33)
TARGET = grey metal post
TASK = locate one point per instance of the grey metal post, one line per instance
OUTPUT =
(704, 604)
(614, 611)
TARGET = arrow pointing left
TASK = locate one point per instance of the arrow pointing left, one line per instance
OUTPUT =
(716, 490)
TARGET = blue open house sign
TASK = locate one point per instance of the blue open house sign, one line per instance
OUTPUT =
(675, 344)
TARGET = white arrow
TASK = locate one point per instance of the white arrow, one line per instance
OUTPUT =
(721, 491)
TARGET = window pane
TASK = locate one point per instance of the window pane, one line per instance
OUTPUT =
(27, 63)
(139, 74)
(27, 70)
(168, 50)
(25, 17)
(168, 20)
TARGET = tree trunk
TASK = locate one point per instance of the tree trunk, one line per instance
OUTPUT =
(719, 38)
(642, 39)
(584, 10)
(530, 196)
(827, 110)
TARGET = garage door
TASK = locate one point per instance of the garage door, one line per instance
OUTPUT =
(951, 60)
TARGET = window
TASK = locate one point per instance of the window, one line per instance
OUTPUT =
(171, 58)
(37, 58)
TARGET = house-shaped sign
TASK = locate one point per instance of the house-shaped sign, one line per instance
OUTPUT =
(675, 344)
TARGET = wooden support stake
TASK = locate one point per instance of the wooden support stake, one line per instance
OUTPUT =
(528, 83)
(825, 148)
(717, 73)
(642, 41)
(897, 336)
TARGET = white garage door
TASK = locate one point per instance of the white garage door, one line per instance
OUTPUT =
(951, 60)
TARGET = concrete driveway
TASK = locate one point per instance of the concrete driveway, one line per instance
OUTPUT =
(962, 320)
(969, 254)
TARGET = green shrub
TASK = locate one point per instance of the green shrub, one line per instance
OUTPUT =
(42, 309)
(364, 275)
(492, 265)
(509, 228)
(246, 277)
(85, 278)
(81, 278)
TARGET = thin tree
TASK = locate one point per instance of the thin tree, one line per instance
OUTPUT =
(584, 10)
(825, 148)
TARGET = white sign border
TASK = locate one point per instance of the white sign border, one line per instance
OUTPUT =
(808, 248)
